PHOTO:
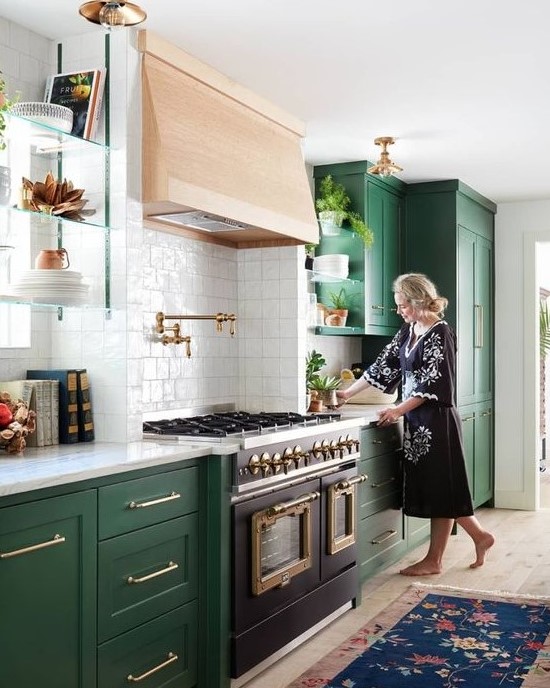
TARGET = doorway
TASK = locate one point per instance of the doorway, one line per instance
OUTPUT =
(543, 284)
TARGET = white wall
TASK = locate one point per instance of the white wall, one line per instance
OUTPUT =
(519, 226)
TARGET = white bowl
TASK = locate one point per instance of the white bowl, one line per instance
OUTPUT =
(56, 116)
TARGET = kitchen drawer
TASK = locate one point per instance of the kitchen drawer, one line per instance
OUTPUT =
(381, 541)
(145, 501)
(378, 440)
(382, 489)
(166, 648)
(145, 574)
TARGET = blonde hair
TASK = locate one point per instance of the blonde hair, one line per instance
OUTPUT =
(421, 293)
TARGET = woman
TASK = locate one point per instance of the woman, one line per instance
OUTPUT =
(422, 357)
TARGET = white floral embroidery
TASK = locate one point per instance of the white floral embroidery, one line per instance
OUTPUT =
(432, 357)
(416, 445)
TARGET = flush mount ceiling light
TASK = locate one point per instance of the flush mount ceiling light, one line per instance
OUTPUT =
(112, 15)
(384, 167)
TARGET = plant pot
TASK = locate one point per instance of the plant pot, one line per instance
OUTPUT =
(328, 397)
(331, 222)
(336, 317)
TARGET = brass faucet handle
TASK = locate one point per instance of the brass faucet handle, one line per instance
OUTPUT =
(160, 323)
(187, 341)
(232, 323)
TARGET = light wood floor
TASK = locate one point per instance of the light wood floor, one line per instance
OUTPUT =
(519, 562)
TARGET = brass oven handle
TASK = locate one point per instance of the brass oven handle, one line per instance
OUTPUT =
(384, 482)
(172, 657)
(285, 506)
(56, 540)
(344, 484)
(154, 502)
(171, 567)
(379, 539)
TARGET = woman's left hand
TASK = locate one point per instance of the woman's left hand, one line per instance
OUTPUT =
(388, 415)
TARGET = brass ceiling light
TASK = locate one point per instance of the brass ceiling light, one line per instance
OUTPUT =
(384, 167)
(113, 14)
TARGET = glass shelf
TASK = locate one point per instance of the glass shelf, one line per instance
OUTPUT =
(47, 140)
(40, 302)
(50, 220)
(328, 330)
(322, 277)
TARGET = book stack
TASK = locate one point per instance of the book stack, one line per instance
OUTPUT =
(74, 404)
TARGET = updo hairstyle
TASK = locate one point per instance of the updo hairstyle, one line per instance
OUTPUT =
(421, 293)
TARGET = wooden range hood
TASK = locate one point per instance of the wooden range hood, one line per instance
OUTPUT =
(212, 146)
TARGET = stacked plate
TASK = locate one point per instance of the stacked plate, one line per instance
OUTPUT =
(333, 265)
(63, 287)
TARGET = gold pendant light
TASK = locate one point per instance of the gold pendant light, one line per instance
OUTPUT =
(113, 14)
(384, 167)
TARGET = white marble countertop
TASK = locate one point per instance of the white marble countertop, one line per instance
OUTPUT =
(69, 463)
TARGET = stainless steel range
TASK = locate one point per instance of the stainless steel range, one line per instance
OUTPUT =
(293, 511)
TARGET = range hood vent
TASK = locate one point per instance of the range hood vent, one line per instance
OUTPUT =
(219, 162)
(195, 219)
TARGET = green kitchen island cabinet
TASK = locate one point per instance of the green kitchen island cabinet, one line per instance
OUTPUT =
(48, 593)
(449, 237)
(380, 203)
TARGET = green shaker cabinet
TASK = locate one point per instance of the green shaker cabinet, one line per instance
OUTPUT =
(380, 202)
(449, 237)
(48, 598)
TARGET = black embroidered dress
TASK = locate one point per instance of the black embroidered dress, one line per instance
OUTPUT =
(435, 483)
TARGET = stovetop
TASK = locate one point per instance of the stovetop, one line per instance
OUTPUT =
(233, 425)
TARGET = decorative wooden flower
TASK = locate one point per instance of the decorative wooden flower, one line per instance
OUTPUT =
(16, 422)
(57, 198)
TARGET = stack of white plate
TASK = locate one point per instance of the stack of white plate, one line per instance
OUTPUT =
(333, 264)
(64, 287)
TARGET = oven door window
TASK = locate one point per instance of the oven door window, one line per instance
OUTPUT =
(281, 543)
(341, 516)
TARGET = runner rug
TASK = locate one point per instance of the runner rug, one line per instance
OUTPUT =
(442, 637)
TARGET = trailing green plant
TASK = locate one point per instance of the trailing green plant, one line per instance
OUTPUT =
(334, 197)
(324, 383)
(314, 362)
(5, 105)
(340, 300)
(544, 329)
(360, 227)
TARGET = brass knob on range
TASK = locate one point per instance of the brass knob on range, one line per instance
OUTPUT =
(298, 454)
(334, 448)
(350, 443)
(277, 462)
(257, 463)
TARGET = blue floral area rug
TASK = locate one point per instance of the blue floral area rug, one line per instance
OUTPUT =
(434, 637)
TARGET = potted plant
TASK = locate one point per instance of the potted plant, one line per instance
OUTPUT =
(326, 386)
(332, 205)
(314, 362)
(337, 312)
(333, 208)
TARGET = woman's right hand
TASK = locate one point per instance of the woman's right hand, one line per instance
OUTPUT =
(342, 396)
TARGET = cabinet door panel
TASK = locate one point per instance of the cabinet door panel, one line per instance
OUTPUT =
(483, 486)
(170, 548)
(374, 281)
(393, 208)
(468, 435)
(47, 600)
(466, 316)
(484, 320)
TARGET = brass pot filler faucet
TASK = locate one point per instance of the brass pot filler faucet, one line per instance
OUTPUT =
(177, 338)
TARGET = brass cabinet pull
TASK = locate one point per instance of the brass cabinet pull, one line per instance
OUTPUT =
(154, 502)
(384, 482)
(483, 414)
(377, 308)
(478, 344)
(377, 442)
(285, 506)
(56, 540)
(345, 484)
(171, 567)
(383, 537)
(172, 657)
(467, 418)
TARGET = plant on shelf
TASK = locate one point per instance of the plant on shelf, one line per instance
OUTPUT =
(324, 383)
(333, 208)
(332, 205)
(337, 311)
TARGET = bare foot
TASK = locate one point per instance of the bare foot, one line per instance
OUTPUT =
(421, 568)
(483, 545)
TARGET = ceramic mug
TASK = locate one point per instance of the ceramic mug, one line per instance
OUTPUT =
(52, 259)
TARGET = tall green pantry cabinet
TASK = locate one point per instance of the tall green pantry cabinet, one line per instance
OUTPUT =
(449, 236)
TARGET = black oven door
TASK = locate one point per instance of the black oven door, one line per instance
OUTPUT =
(276, 552)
